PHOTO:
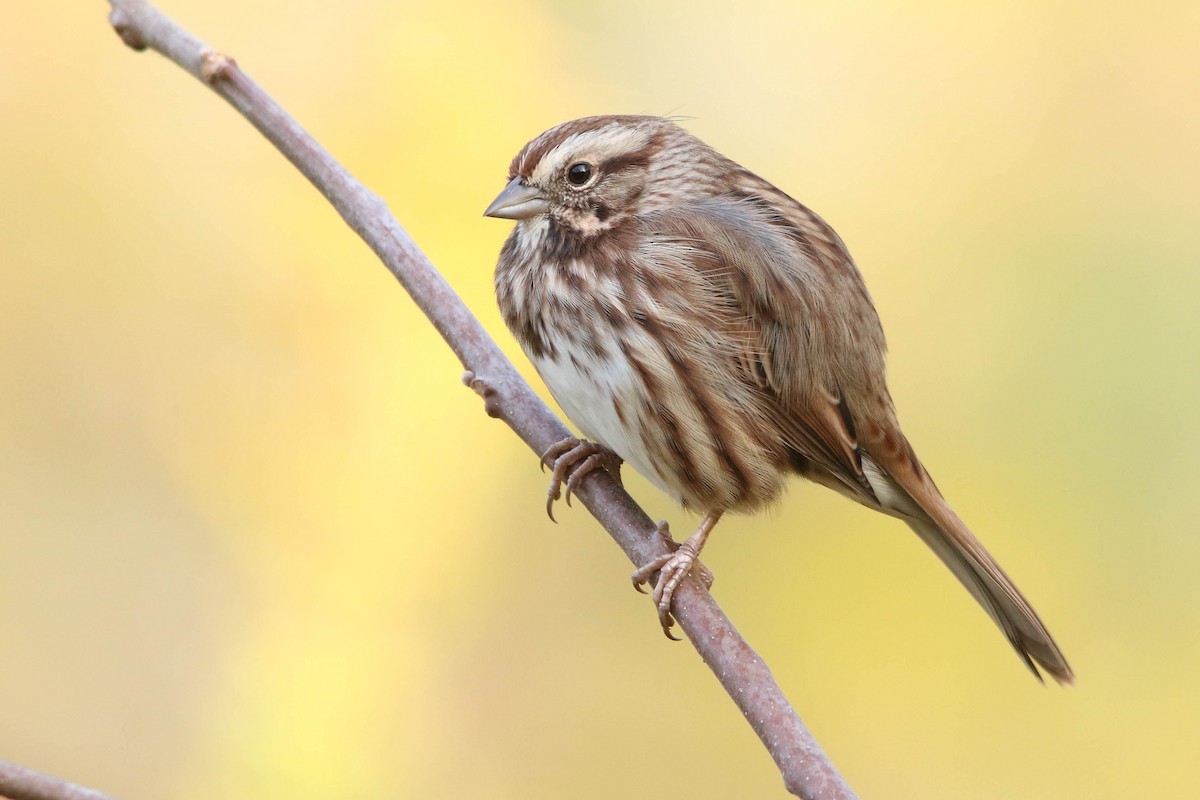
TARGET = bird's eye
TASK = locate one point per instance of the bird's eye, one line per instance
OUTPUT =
(579, 174)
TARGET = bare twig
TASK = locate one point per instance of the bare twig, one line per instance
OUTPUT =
(22, 783)
(806, 770)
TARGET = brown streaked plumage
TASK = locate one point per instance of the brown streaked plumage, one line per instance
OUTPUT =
(706, 328)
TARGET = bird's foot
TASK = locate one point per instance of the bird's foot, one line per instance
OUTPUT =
(570, 461)
(673, 567)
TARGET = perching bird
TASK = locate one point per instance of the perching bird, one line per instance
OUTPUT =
(698, 323)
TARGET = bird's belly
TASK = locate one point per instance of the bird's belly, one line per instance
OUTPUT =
(603, 396)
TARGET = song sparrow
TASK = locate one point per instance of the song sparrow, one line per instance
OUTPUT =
(695, 321)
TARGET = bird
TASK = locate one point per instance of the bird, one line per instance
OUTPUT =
(697, 323)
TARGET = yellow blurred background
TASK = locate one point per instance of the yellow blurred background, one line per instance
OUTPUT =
(256, 540)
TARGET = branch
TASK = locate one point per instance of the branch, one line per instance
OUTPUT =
(806, 770)
(22, 783)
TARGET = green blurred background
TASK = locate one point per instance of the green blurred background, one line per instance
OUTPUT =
(256, 540)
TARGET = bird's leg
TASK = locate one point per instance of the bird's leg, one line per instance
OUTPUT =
(570, 461)
(673, 567)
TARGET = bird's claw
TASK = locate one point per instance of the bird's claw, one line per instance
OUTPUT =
(571, 460)
(672, 568)
(642, 575)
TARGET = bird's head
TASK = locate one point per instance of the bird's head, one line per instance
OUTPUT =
(591, 174)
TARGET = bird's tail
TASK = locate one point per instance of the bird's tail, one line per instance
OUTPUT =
(953, 543)
(911, 495)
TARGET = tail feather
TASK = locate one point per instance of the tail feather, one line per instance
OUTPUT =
(985, 580)
(907, 491)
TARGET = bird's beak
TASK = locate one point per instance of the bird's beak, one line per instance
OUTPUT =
(517, 201)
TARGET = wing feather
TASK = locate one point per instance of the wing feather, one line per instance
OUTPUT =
(797, 331)
(810, 342)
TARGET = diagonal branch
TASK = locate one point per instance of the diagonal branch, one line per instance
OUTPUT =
(806, 770)
(22, 783)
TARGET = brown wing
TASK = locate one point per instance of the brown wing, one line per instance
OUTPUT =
(812, 343)
(808, 337)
